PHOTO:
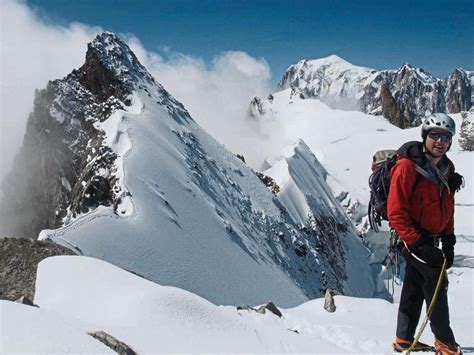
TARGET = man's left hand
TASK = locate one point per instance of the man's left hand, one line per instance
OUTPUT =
(448, 242)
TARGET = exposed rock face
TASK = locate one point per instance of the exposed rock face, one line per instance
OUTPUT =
(269, 182)
(64, 168)
(270, 306)
(19, 259)
(416, 92)
(256, 109)
(342, 85)
(390, 109)
(458, 91)
(329, 304)
(466, 134)
(113, 343)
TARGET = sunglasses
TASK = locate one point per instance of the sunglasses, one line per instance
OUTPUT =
(445, 137)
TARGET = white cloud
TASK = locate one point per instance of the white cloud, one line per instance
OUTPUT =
(32, 52)
(216, 95)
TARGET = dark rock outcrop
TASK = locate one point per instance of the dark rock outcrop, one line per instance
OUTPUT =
(416, 92)
(329, 304)
(390, 109)
(26, 301)
(458, 92)
(270, 306)
(256, 108)
(113, 343)
(269, 182)
(64, 167)
(19, 259)
(466, 134)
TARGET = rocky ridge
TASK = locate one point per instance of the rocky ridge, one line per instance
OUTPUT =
(19, 259)
(466, 132)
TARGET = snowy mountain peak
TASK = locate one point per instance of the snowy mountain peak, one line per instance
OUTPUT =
(332, 60)
(308, 73)
(420, 74)
(406, 66)
(109, 59)
(332, 79)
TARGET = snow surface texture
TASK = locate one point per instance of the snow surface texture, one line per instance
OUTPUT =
(79, 295)
(197, 217)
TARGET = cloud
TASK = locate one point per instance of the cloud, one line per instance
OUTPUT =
(32, 52)
(217, 94)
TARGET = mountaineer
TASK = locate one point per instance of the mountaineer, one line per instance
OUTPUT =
(420, 209)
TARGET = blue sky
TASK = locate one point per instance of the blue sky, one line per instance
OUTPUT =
(435, 35)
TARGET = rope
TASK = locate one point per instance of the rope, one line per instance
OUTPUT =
(430, 308)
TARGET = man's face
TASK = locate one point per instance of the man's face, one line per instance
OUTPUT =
(437, 142)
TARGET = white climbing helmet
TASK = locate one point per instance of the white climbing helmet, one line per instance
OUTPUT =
(438, 120)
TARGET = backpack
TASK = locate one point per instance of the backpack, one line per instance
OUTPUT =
(379, 182)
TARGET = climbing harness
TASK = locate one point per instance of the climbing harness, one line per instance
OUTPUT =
(431, 306)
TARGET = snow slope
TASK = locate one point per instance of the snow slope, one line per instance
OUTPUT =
(94, 295)
(307, 196)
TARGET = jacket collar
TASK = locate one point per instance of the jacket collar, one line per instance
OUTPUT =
(414, 152)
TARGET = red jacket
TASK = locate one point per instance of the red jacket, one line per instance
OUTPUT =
(428, 206)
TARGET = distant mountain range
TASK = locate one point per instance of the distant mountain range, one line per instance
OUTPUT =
(404, 96)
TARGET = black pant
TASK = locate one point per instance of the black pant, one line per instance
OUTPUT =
(419, 285)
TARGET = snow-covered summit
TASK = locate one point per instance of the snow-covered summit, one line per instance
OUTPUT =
(332, 79)
(333, 61)
(421, 74)
(116, 56)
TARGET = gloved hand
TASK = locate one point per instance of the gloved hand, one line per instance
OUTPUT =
(424, 249)
(456, 182)
(448, 242)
